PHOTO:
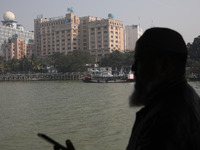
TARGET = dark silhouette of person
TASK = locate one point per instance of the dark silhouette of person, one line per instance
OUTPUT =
(170, 115)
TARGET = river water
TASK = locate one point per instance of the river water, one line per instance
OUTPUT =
(93, 116)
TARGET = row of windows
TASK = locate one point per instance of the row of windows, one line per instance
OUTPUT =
(99, 28)
(53, 23)
(58, 49)
(115, 23)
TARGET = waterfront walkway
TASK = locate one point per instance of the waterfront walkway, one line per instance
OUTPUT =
(41, 77)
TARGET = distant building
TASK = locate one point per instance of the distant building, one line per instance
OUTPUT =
(10, 29)
(131, 34)
(105, 37)
(56, 35)
(14, 48)
(95, 35)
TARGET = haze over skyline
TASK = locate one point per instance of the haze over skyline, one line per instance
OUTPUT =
(180, 15)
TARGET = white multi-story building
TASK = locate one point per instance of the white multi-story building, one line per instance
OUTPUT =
(131, 34)
(10, 29)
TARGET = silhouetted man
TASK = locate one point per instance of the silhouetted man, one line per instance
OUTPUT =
(170, 116)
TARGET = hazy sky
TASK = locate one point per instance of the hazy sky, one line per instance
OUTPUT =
(181, 15)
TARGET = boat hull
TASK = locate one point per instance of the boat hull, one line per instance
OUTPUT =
(106, 80)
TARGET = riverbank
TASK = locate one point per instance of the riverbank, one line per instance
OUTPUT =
(41, 77)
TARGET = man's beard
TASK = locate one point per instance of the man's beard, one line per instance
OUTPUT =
(143, 90)
(137, 98)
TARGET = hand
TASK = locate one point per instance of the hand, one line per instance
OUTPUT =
(69, 144)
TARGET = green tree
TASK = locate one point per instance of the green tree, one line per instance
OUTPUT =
(62, 63)
(79, 59)
(128, 58)
(194, 49)
(35, 64)
(1, 64)
(13, 65)
(73, 62)
(24, 64)
(114, 60)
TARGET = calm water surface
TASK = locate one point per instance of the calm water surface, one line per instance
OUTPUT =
(93, 116)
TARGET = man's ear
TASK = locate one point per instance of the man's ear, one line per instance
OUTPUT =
(164, 68)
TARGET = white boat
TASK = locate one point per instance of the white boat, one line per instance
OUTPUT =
(107, 77)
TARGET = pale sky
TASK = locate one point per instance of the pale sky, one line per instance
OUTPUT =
(180, 15)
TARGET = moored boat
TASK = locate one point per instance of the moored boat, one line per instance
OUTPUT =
(108, 78)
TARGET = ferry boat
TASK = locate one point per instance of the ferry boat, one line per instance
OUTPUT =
(107, 77)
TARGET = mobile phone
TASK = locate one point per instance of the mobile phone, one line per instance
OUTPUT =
(50, 140)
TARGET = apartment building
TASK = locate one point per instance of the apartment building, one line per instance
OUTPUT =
(105, 36)
(84, 31)
(56, 35)
(14, 48)
(30, 49)
(131, 34)
(95, 35)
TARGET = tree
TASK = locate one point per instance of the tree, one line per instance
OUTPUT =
(1, 64)
(117, 59)
(24, 64)
(128, 58)
(62, 63)
(194, 49)
(13, 65)
(79, 59)
(37, 64)
(73, 62)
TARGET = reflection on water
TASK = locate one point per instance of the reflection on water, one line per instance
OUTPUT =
(93, 116)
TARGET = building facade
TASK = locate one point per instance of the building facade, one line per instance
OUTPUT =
(105, 36)
(14, 48)
(56, 35)
(95, 35)
(10, 29)
(131, 34)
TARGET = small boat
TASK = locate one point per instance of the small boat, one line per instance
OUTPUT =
(106, 77)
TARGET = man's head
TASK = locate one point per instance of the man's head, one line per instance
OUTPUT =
(160, 56)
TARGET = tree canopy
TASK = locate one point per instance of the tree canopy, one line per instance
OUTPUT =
(117, 59)
(194, 55)
(73, 62)
(194, 49)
